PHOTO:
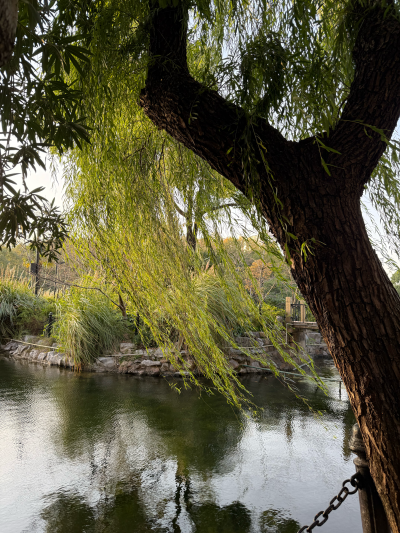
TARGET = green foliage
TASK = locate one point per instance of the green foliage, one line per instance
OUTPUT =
(396, 280)
(136, 196)
(38, 109)
(17, 259)
(88, 324)
(20, 310)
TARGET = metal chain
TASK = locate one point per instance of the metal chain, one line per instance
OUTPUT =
(355, 481)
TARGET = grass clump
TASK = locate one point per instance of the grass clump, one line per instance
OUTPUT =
(21, 311)
(88, 325)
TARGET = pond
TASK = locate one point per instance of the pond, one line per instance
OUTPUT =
(101, 453)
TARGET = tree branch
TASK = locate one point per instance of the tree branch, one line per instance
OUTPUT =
(374, 98)
(199, 118)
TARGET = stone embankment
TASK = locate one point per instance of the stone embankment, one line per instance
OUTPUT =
(152, 361)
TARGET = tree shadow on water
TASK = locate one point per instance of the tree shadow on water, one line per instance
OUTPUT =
(210, 518)
(276, 521)
(125, 513)
(70, 513)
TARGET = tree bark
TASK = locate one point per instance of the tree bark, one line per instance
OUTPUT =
(8, 28)
(355, 305)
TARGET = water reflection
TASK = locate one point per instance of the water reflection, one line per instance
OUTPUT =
(94, 453)
(69, 513)
(275, 521)
(124, 512)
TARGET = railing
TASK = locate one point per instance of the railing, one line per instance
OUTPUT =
(297, 311)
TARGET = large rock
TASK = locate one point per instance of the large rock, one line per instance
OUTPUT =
(107, 362)
(240, 357)
(234, 364)
(11, 346)
(149, 363)
(158, 354)
(124, 366)
(21, 349)
(127, 347)
(42, 356)
(34, 355)
(133, 368)
(164, 367)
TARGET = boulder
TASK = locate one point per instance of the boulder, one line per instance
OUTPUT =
(107, 362)
(158, 354)
(56, 359)
(238, 357)
(34, 355)
(133, 368)
(164, 367)
(124, 367)
(11, 346)
(234, 364)
(153, 370)
(21, 349)
(42, 356)
(149, 363)
(127, 347)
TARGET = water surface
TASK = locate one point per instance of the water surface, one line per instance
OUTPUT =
(89, 453)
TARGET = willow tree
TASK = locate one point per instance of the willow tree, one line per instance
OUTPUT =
(138, 203)
(294, 103)
(307, 150)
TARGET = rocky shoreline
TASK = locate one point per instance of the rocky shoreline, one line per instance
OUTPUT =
(152, 361)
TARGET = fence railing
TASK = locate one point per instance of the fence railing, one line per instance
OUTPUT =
(297, 311)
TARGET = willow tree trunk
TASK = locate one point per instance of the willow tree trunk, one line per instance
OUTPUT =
(355, 305)
(8, 28)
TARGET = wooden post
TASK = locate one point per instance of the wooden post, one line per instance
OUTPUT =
(373, 517)
(302, 312)
(288, 309)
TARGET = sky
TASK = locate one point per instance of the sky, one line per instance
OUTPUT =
(43, 178)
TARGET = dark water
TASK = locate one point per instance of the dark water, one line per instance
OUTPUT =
(117, 454)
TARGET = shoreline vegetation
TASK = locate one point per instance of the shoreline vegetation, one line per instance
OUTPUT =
(91, 334)
(98, 327)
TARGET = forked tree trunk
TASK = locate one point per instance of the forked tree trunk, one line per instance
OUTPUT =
(342, 280)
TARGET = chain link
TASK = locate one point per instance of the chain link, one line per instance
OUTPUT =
(355, 481)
